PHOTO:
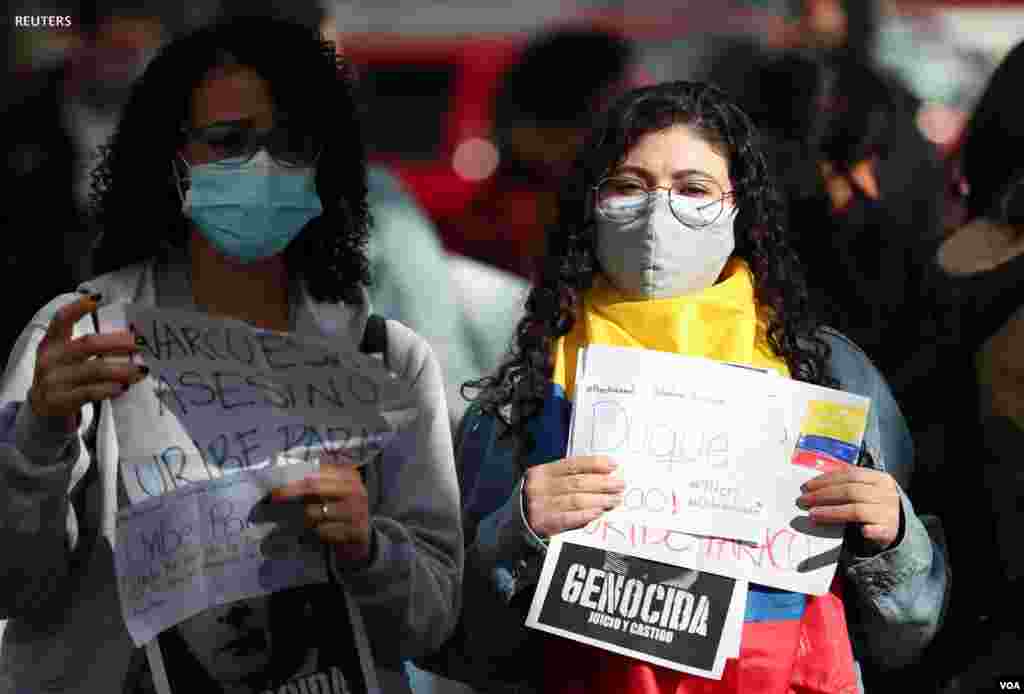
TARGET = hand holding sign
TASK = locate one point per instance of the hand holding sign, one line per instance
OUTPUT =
(66, 375)
(336, 507)
(856, 495)
(570, 493)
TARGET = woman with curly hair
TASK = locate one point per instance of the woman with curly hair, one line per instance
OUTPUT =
(670, 238)
(235, 186)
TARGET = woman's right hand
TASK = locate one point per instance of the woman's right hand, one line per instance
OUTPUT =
(570, 493)
(66, 374)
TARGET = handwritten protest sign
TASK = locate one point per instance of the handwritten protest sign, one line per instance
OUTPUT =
(795, 555)
(208, 544)
(791, 552)
(227, 413)
(699, 442)
(680, 619)
(222, 396)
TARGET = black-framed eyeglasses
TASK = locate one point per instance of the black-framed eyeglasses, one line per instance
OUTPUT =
(235, 143)
(697, 202)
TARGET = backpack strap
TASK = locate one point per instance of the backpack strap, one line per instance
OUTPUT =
(375, 336)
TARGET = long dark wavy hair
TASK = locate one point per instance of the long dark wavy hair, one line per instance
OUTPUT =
(515, 393)
(136, 201)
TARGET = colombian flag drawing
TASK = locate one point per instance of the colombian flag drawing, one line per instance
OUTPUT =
(830, 435)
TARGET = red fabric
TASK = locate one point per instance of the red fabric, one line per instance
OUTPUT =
(824, 660)
(810, 656)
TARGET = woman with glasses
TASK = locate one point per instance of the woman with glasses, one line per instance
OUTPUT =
(670, 238)
(235, 186)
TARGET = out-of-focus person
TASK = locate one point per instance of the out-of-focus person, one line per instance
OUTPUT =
(865, 205)
(465, 309)
(843, 34)
(980, 383)
(845, 27)
(865, 200)
(840, 28)
(541, 111)
(55, 121)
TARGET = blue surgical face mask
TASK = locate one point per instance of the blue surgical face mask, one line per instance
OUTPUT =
(253, 210)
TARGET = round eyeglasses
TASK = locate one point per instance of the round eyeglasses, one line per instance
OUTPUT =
(697, 202)
(236, 143)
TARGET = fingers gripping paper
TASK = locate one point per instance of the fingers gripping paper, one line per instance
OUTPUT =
(714, 457)
(226, 414)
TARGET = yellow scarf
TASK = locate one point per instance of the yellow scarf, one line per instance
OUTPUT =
(721, 322)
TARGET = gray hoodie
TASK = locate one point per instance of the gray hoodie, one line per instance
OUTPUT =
(58, 588)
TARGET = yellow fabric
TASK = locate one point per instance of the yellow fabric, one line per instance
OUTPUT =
(722, 322)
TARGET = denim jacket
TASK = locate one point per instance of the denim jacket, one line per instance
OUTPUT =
(895, 600)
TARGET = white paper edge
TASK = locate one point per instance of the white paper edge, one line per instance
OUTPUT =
(155, 656)
(735, 622)
(581, 356)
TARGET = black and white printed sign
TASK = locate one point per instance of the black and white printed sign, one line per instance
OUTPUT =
(304, 640)
(678, 618)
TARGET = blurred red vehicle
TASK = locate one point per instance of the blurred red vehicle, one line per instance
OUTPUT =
(429, 104)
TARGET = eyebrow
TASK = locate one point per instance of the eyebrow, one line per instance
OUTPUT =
(225, 124)
(244, 122)
(676, 175)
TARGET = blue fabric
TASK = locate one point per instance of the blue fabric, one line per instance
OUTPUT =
(8, 415)
(770, 605)
(482, 494)
(551, 430)
(840, 450)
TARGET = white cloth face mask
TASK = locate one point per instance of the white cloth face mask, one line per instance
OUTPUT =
(656, 256)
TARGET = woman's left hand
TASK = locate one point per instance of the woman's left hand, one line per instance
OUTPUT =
(336, 507)
(869, 498)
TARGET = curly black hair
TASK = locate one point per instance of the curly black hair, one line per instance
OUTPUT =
(136, 201)
(515, 392)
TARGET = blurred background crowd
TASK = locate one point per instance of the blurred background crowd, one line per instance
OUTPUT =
(896, 142)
